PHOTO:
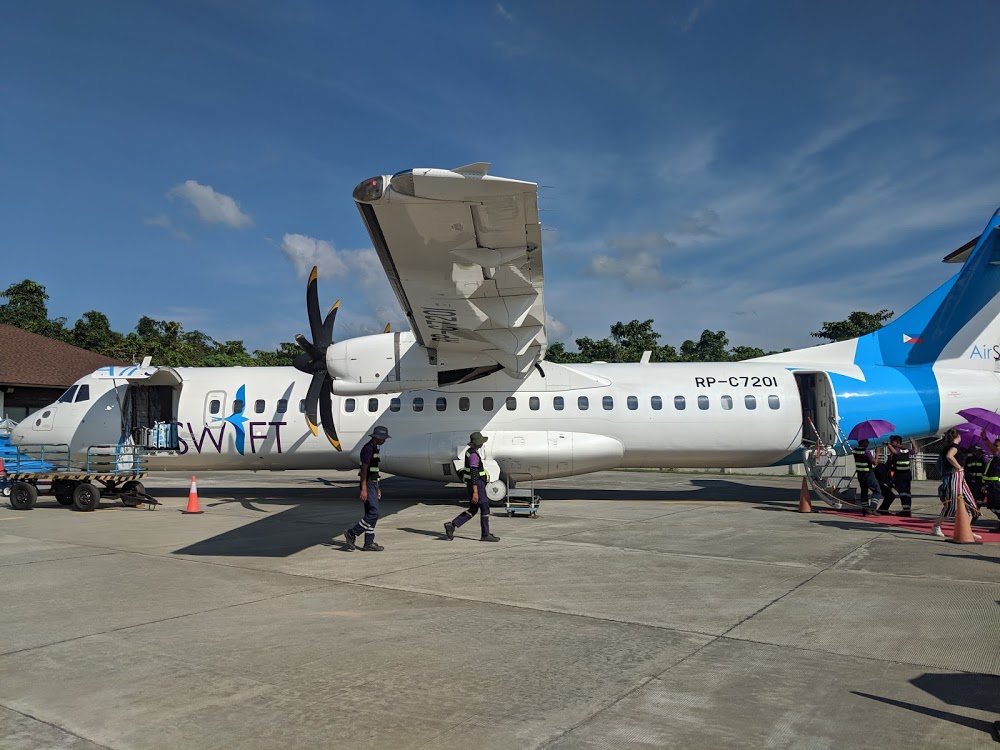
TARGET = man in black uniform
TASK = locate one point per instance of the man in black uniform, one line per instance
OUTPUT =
(991, 480)
(475, 483)
(863, 464)
(975, 469)
(900, 458)
(371, 493)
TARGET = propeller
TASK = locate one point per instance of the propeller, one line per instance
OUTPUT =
(312, 361)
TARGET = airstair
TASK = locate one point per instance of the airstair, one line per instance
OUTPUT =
(829, 467)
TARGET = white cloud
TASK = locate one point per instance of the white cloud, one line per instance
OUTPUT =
(505, 14)
(212, 207)
(162, 220)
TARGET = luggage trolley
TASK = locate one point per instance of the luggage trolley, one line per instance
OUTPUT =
(47, 469)
(523, 502)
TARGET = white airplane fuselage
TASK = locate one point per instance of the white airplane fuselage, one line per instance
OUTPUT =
(575, 419)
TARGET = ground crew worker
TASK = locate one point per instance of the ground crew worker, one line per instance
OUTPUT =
(864, 465)
(975, 469)
(371, 493)
(991, 479)
(900, 460)
(475, 484)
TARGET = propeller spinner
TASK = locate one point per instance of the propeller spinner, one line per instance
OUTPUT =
(313, 362)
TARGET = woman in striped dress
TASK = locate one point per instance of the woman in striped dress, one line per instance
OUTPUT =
(953, 486)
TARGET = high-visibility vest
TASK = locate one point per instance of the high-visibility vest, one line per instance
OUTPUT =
(993, 470)
(373, 473)
(975, 467)
(861, 461)
(472, 473)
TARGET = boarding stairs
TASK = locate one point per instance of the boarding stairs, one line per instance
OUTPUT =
(829, 468)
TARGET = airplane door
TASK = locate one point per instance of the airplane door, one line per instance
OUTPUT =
(215, 405)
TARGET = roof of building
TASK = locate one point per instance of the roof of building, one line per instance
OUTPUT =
(27, 359)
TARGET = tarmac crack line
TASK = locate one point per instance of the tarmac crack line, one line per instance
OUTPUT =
(159, 620)
(802, 583)
(56, 727)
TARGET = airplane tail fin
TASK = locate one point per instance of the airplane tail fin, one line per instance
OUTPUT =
(958, 323)
(956, 326)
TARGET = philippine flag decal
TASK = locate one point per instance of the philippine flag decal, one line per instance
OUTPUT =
(912, 339)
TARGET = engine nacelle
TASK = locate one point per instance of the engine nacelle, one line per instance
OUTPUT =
(392, 362)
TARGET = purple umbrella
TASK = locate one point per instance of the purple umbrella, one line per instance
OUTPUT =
(971, 434)
(982, 418)
(870, 428)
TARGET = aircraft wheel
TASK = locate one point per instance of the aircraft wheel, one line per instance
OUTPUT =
(496, 490)
(86, 496)
(23, 496)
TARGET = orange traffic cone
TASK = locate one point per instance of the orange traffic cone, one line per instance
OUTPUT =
(804, 505)
(193, 498)
(962, 533)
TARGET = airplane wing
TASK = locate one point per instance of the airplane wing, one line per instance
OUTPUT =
(463, 253)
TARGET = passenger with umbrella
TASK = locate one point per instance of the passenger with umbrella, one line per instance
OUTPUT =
(989, 421)
(864, 460)
(953, 487)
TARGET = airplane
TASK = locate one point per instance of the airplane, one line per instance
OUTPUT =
(462, 251)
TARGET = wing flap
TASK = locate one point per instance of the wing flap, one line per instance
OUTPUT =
(462, 251)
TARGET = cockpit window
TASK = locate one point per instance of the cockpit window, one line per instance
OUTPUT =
(83, 394)
(67, 397)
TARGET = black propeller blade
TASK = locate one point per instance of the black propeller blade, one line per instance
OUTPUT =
(313, 362)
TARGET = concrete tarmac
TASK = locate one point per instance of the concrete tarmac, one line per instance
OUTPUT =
(638, 610)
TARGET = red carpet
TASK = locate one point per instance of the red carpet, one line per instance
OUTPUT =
(918, 525)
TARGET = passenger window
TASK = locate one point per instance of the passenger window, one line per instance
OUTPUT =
(373, 404)
(558, 403)
(395, 404)
(83, 394)
(442, 403)
(67, 397)
(349, 405)
(633, 403)
(418, 404)
(511, 403)
(258, 406)
(214, 406)
(487, 403)
(237, 406)
(534, 403)
(679, 403)
(282, 405)
(608, 402)
(656, 402)
(302, 406)
(750, 402)
(463, 403)
(703, 402)
(582, 403)
(727, 402)
(773, 402)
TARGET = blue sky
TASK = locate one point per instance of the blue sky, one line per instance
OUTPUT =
(754, 167)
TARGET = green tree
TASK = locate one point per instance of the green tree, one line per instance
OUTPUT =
(857, 324)
(281, 357)
(26, 309)
(740, 353)
(711, 347)
(93, 332)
